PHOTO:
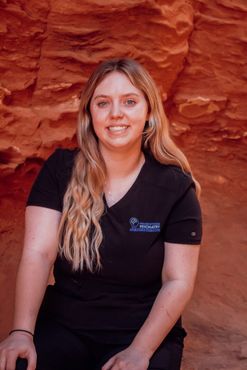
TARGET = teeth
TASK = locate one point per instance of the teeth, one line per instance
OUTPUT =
(117, 128)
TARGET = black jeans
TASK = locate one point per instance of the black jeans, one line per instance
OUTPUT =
(60, 349)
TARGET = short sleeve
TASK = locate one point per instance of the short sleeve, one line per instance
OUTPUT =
(45, 190)
(184, 224)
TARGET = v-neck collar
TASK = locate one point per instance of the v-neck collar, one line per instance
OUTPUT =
(130, 191)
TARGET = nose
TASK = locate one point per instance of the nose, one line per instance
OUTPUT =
(116, 111)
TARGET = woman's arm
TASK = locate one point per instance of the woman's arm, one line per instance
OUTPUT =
(39, 253)
(178, 278)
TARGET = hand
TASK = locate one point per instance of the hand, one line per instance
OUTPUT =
(17, 345)
(129, 359)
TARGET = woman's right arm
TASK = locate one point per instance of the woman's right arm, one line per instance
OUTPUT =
(39, 253)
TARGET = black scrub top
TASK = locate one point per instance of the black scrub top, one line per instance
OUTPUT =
(112, 304)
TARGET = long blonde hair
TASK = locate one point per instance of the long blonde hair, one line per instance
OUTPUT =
(80, 233)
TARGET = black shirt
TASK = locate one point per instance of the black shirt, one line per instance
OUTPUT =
(161, 206)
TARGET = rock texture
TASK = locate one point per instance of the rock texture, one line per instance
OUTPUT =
(196, 51)
(44, 66)
(209, 96)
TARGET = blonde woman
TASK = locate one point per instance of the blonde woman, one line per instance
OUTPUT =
(120, 220)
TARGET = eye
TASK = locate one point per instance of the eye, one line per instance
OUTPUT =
(102, 104)
(130, 102)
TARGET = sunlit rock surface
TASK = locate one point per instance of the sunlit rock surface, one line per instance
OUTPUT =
(196, 51)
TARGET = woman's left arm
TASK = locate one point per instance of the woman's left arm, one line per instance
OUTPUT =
(178, 280)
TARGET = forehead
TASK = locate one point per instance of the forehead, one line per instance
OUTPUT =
(116, 83)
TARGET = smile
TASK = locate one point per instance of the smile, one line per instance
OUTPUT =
(117, 128)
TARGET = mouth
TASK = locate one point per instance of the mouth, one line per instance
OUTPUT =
(117, 128)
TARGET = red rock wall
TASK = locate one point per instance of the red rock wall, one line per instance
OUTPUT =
(209, 96)
(196, 51)
(50, 49)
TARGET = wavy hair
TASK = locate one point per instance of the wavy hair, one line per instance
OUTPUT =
(80, 234)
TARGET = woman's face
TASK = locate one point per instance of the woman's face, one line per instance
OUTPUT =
(119, 111)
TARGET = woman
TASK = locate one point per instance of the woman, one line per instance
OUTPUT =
(120, 219)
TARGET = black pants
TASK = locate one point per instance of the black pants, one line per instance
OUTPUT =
(60, 349)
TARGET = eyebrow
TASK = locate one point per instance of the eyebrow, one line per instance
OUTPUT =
(107, 96)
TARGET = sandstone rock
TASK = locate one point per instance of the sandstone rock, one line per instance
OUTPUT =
(58, 47)
(210, 91)
(196, 52)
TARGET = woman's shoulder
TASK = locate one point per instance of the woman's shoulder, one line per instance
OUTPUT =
(64, 153)
(170, 176)
(62, 158)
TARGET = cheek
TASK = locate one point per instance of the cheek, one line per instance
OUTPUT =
(99, 114)
(141, 114)
(97, 118)
(95, 121)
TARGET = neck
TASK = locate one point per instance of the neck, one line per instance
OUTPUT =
(120, 164)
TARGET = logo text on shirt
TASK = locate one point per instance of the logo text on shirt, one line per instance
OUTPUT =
(143, 227)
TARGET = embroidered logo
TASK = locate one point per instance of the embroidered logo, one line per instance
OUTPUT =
(143, 227)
